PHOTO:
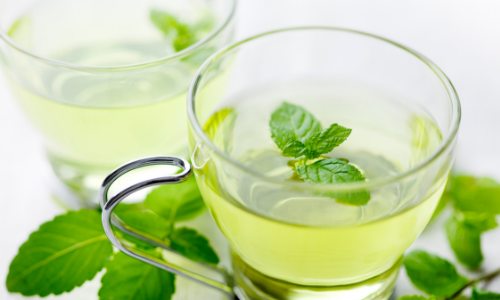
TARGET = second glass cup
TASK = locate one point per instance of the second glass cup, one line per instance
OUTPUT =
(104, 81)
(299, 225)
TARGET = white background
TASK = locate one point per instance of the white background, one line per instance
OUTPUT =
(462, 37)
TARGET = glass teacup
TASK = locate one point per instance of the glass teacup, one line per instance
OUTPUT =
(290, 238)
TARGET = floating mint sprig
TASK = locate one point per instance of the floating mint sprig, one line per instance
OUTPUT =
(300, 135)
(182, 34)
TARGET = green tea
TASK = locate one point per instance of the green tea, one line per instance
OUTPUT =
(291, 234)
(93, 120)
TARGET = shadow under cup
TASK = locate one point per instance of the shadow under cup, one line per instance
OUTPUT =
(294, 240)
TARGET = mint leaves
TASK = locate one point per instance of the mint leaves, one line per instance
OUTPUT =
(476, 194)
(478, 294)
(131, 279)
(181, 34)
(300, 135)
(61, 255)
(192, 245)
(433, 274)
(475, 204)
(176, 203)
(464, 234)
(325, 140)
(476, 201)
(72, 248)
(291, 127)
(439, 278)
(184, 35)
(331, 171)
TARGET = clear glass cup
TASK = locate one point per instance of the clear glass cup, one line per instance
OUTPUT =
(296, 240)
(105, 82)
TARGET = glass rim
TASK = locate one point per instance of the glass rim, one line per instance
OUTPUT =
(222, 25)
(445, 144)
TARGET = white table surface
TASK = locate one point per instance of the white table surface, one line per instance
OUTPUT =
(460, 36)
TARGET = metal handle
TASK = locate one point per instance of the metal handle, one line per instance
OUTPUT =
(221, 280)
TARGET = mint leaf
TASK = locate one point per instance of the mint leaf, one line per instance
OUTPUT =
(415, 297)
(176, 202)
(139, 217)
(324, 141)
(464, 234)
(127, 278)
(61, 255)
(432, 274)
(220, 129)
(478, 294)
(476, 194)
(290, 123)
(329, 171)
(481, 221)
(465, 241)
(193, 245)
(144, 220)
(183, 36)
(294, 149)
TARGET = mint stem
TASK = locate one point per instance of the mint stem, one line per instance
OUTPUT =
(487, 277)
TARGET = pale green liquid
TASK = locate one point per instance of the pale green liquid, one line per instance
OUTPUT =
(92, 122)
(302, 238)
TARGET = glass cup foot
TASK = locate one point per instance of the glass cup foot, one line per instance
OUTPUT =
(253, 285)
(75, 185)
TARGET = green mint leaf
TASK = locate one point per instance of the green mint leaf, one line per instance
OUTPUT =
(290, 123)
(144, 220)
(324, 141)
(219, 128)
(176, 202)
(476, 194)
(294, 149)
(481, 221)
(464, 234)
(415, 297)
(184, 39)
(139, 217)
(432, 274)
(330, 171)
(127, 278)
(478, 294)
(193, 245)
(213, 124)
(465, 240)
(163, 21)
(183, 36)
(61, 255)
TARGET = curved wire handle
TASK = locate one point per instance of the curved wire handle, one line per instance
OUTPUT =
(222, 283)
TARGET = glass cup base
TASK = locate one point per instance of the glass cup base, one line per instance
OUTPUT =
(71, 191)
(253, 285)
(76, 186)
